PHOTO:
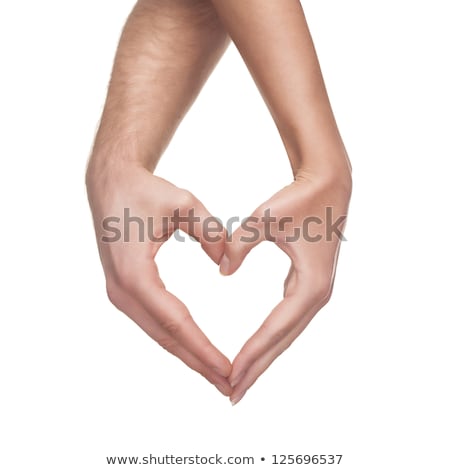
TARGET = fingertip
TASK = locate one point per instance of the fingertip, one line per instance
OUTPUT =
(234, 254)
(224, 369)
(215, 247)
(236, 378)
(225, 266)
(236, 398)
(229, 263)
(224, 389)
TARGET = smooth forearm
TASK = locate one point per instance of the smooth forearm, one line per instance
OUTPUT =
(274, 40)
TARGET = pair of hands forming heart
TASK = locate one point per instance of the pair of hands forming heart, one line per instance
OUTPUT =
(134, 285)
(167, 51)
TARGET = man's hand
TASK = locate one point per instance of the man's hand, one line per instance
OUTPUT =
(167, 50)
(157, 209)
(305, 220)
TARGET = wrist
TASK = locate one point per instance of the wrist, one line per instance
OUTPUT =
(336, 173)
(113, 157)
(105, 171)
(316, 146)
(116, 150)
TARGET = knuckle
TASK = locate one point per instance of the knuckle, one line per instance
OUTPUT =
(112, 292)
(286, 345)
(126, 278)
(203, 372)
(259, 213)
(276, 333)
(115, 294)
(172, 326)
(322, 287)
(124, 282)
(168, 343)
(187, 200)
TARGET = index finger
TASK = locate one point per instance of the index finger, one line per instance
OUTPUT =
(200, 224)
(286, 321)
(173, 316)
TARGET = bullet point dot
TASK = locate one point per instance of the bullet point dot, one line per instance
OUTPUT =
(262, 458)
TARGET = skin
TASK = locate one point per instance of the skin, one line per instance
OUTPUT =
(155, 79)
(274, 40)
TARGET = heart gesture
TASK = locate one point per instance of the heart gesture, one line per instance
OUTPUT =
(167, 50)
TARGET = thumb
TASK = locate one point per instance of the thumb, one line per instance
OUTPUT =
(248, 235)
(198, 222)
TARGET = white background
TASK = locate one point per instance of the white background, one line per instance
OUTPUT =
(368, 379)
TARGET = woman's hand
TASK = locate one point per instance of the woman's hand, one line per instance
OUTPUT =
(305, 220)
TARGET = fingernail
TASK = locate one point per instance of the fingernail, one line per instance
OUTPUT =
(219, 372)
(224, 265)
(223, 389)
(237, 379)
(235, 400)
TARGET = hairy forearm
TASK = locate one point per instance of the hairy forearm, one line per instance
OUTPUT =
(166, 52)
(274, 40)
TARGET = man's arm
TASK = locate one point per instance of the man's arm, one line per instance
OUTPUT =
(166, 52)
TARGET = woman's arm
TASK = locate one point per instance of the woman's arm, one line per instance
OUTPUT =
(274, 41)
(308, 216)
